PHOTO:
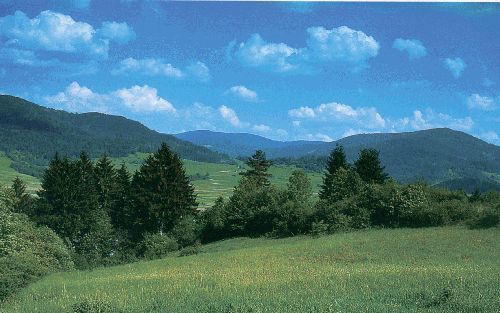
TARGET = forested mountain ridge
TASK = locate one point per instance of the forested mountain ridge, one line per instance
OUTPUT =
(435, 155)
(31, 134)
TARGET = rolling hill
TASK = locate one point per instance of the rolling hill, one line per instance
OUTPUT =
(434, 155)
(31, 134)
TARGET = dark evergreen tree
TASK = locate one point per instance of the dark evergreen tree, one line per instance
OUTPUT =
(23, 203)
(105, 176)
(336, 161)
(162, 193)
(120, 212)
(369, 168)
(258, 167)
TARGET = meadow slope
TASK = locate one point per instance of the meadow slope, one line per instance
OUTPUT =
(448, 269)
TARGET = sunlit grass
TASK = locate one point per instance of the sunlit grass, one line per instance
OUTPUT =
(405, 270)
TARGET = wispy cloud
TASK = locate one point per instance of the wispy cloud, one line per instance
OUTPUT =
(413, 47)
(243, 93)
(456, 66)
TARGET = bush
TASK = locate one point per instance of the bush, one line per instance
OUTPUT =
(27, 252)
(213, 222)
(186, 232)
(156, 246)
(191, 250)
(486, 218)
(319, 228)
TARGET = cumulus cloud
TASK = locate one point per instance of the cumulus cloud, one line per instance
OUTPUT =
(52, 31)
(200, 71)
(143, 99)
(366, 116)
(431, 119)
(339, 47)
(302, 112)
(476, 101)
(138, 99)
(78, 98)
(456, 66)
(230, 115)
(244, 93)
(413, 47)
(256, 52)
(118, 32)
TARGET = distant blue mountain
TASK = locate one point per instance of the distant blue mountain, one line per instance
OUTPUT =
(435, 155)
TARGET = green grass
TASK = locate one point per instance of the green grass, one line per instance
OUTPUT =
(8, 174)
(403, 270)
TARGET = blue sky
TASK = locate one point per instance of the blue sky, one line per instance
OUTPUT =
(287, 71)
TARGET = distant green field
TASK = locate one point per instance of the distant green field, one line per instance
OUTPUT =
(400, 270)
(220, 180)
(8, 174)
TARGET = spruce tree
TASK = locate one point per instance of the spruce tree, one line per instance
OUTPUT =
(258, 167)
(105, 176)
(120, 212)
(162, 193)
(336, 161)
(369, 168)
(23, 202)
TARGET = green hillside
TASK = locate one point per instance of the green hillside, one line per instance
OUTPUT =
(403, 270)
(30, 135)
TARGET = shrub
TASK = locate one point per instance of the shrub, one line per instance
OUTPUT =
(486, 218)
(319, 228)
(186, 232)
(191, 250)
(213, 222)
(156, 246)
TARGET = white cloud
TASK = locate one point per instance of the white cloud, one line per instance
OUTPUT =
(230, 115)
(150, 66)
(340, 46)
(261, 128)
(256, 52)
(366, 116)
(431, 119)
(159, 67)
(476, 101)
(52, 31)
(78, 98)
(316, 137)
(414, 47)
(456, 66)
(200, 71)
(143, 99)
(244, 93)
(118, 32)
(296, 123)
(302, 112)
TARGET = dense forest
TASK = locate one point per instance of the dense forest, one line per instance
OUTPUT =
(29, 135)
(89, 214)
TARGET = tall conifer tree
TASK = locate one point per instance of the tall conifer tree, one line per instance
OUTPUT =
(336, 161)
(162, 192)
(258, 168)
(369, 167)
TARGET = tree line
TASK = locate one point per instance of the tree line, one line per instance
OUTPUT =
(96, 214)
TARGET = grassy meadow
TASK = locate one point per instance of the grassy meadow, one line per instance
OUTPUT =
(447, 269)
(8, 174)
